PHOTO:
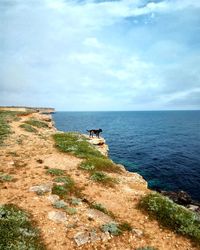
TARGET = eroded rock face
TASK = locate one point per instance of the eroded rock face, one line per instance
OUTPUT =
(81, 238)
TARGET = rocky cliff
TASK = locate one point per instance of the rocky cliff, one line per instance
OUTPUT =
(74, 206)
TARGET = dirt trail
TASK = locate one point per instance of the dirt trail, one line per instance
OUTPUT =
(26, 157)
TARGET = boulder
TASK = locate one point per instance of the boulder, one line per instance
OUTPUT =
(57, 216)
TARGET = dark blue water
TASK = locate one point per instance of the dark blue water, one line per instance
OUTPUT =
(163, 146)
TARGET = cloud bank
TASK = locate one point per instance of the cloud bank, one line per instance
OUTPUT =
(100, 55)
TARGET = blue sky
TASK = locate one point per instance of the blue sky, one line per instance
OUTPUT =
(100, 55)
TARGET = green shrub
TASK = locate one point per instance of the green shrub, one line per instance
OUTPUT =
(75, 201)
(59, 190)
(60, 204)
(103, 178)
(28, 128)
(100, 164)
(172, 215)
(71, 210)
(5, 177)
(55, 171)
(17, 230)
(111, 228)
(37, 123)
(64, 179)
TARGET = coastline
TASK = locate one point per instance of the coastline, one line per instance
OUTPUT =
(28, 157)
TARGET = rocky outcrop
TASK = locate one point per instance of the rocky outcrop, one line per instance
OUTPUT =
(99, 143)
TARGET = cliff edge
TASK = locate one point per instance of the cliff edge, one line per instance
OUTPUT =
(75, 201)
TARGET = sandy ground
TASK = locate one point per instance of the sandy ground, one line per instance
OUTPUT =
(19, 158)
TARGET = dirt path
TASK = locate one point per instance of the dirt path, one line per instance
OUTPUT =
(27, 156)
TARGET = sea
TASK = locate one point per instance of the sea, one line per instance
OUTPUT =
(162, 146)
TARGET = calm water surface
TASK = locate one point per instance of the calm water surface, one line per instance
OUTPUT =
(163, 146)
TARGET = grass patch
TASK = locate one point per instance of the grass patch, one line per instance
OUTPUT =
(59, 190)
(125, 226)
(75, 144)
(172, 215)
(5, 177)
(100, 164)
(101, 208)
(71, 210)
(65, 179)
(28, 128)
(17, 230)
(37, 123)
(103, 178)
(55, 171)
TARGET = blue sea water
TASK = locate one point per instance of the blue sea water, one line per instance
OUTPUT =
(163, 146)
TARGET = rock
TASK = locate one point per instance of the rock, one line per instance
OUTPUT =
(81, 238)
(194, 208)
(105, 236)
(94, 236)
(40, 161)
(138, 232)
(53, 198)
(98, 216)
(180, 197)
(57, 216)
(41, 189)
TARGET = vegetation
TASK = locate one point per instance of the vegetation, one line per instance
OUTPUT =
(172, 215)
(17, 230)
(55, 171)
(101, 208)
(147, 248)
(78, 145)
(64, 179)
(71, 210)
(28, 128)
(59, 190)
(5, 177)
(37, 123)
(75, 201)
(103, 178)
(60, 204)
(112, 228)
(125, 226)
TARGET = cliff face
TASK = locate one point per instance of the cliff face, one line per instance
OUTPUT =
(72, 209)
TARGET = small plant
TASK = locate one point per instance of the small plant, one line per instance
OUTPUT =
(64, 179)
(172, 215)
(71, 210)
(17, 230)
(55, 171)
(59, 190)
(112, 228)
(101, 208)
(125, 226)
(87, 166)
(146, 248)
(5, 177)
(60, 204)
(28, 128)
(75, 201)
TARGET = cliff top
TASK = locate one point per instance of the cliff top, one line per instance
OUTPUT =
(77, 197)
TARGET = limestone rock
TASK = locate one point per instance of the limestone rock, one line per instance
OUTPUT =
(137, 232)
(105, 236)
(81, 238)
(53, 198)
(98, 216)
(43, 188)
(57, 216)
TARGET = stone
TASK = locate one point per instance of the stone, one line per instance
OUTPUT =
(98, 216)
(82, 238)
(194, 208)
(53, 198)
(94, 236)
(41, 189)
(181, 197)
(105, 236)
(138, 232)
(57, 216)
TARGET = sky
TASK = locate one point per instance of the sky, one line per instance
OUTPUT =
(82, 55)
